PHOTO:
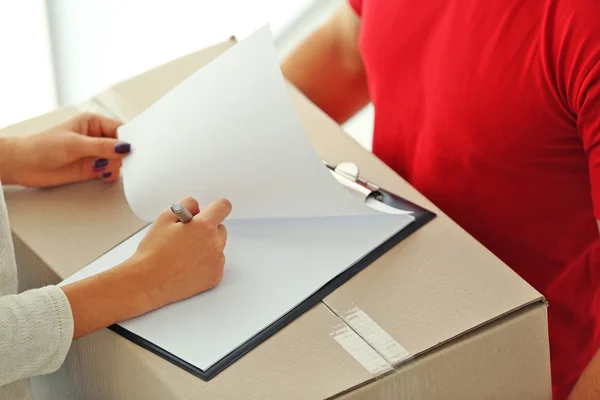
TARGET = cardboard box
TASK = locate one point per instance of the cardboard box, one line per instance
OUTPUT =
(437, 317)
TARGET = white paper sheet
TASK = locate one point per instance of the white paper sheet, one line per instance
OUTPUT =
(230, 131)
(272, 266)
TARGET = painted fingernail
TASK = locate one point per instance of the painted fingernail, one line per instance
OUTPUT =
(100, 163)
(122, 148)
(106, 174)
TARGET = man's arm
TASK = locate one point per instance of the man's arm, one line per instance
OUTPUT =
(574, 301)
(327, 67)
(588, 385)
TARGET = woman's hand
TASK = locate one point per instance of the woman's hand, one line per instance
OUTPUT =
(174, 261)
(178, 260)
(83, 148)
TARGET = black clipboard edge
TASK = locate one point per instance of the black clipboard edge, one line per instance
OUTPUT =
(422, 217)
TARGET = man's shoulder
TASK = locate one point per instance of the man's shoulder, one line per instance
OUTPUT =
(570, 44)
(575, 20)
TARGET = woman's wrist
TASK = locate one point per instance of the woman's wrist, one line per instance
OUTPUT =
(9, 154)
(107, 298)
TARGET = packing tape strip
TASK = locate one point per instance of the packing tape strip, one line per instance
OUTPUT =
(376, 336)
(360, 350)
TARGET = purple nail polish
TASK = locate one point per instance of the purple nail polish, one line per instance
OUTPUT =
(100, 163)
(106, 174)
(122, 148)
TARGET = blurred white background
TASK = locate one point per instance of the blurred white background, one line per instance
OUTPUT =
(58, 52)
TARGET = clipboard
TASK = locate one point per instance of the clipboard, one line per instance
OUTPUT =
(348, 175)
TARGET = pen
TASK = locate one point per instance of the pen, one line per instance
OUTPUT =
(182, 213)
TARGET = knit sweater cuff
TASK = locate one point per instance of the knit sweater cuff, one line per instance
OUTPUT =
(36, 330)
(64, 318)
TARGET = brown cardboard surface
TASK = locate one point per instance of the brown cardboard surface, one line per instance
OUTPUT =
(425, 291)
(70, 226)
(436, 285)
(301, 362)
(505, 360)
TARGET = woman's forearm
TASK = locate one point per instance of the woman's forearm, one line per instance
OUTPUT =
(107, 298)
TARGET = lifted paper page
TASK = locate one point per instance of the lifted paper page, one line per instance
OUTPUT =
(230, 131)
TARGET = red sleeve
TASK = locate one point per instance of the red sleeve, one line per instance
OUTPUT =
(574, 301)
(574, 48)
(574, 296)
(588, 125)
(356, 6)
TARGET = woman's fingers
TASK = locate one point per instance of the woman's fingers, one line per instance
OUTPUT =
(222, 235)
(83, 170)
(168, 216)
(215, 213)
(95, 125)
(98, 168)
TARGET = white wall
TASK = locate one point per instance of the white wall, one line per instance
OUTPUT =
(96, 43)
(26, 76)
(100, 42)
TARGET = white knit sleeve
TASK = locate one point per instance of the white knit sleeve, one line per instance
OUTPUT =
(36, 330)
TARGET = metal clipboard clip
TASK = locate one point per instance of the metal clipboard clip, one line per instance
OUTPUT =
(347, 174)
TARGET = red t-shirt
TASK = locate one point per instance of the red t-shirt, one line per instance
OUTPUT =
(492, 110)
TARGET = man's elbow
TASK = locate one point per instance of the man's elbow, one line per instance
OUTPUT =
(588, 385)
